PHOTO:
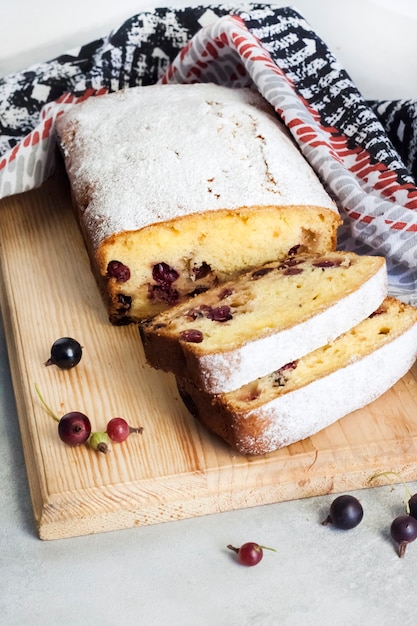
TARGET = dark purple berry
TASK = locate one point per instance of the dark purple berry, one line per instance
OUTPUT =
(294, 250)
(192, 335)
(404, 531)
(202, 271)
(74, 428)
(380, 310)
(280, 379)
(261, 272)
(124, 301)
(412, 505)
(119, 271)
(220, 313)
(65, 353)
(346, 512)
(289, 366)
(162, 273)
(293, 271)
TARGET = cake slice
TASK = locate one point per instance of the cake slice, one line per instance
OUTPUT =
(178, 187)
(267, 317)
(305, 396)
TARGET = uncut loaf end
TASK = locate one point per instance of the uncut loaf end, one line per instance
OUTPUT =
(180, 187)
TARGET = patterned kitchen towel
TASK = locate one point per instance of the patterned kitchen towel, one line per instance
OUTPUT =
(367, 168)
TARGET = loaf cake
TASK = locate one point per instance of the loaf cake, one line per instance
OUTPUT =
(246, 328)
(179, 187)
(309, 394)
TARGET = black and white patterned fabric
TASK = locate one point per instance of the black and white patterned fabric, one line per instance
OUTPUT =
(399, 119)
(364, 152)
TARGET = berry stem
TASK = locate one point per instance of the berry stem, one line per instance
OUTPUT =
(138, 430)
(49, 411)
(262, 547)
(402, 548)
(267, 548)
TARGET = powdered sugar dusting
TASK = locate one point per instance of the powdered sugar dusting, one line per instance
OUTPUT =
(150, 154)
(295, 416)
(226, 370)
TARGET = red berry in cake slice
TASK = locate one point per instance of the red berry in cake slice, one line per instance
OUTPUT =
(192, 335)
(163, 274)
(119, 271)
(220, 313)
(201, 271)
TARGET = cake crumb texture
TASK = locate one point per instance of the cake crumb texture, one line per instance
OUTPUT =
(201, 178)
(246, 328)
(305, 396)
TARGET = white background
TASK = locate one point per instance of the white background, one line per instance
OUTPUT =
(180, 573)
(374, 39)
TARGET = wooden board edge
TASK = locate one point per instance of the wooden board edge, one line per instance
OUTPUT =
(36, 484)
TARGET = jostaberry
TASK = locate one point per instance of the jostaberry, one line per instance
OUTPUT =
(404, 531)
(74, 428)
(412, 505)
(66, 353)
(346, 512)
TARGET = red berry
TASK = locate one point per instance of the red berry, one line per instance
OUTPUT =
(119, 430)
(119, 271)
(74, 428)
(249, 553)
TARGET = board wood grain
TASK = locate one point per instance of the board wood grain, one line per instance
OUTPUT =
(175, 469)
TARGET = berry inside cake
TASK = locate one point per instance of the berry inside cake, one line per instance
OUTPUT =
(180, 187)
(243, 329)
(309, 394)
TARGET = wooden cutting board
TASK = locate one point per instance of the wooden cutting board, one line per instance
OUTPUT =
(175, 469)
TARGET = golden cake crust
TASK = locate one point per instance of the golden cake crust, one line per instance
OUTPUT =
(222, 189)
